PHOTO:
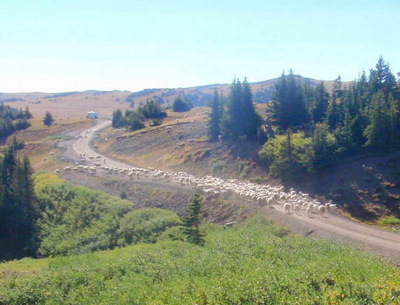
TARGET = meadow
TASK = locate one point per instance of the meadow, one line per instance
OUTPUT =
(255, 263)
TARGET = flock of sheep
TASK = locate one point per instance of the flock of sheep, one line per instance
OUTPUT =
(264, 195)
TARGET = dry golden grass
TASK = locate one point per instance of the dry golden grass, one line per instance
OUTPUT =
(40, 140)
(166, 156)
(74, 106)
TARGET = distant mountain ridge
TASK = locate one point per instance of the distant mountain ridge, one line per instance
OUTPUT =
(199, 95)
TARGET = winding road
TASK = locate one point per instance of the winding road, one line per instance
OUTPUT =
(333, 226)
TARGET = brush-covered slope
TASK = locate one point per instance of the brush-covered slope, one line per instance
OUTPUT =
(256, 263)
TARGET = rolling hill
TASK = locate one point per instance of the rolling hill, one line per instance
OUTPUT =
(77, 104)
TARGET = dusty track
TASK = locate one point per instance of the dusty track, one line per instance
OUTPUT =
(374, 240)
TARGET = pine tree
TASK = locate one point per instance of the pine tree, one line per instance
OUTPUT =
(288, 104)
(320, 103)
(48, 119)
(320, 145)
(356, 131)
(381, 78)
(251, 120)
(332, 116)
(117, 118)
(215, 117)
(181, 104)
(240, 118)
(27, 113)
(7, 173)
(23, 200)
(337, 91)
(191, 222)
(380, 131)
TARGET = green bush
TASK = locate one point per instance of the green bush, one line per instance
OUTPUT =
(74, 219)
(251, 264)
(181, 105)
(390, 221)
(146, 225)
(293, 155)
(288, 156)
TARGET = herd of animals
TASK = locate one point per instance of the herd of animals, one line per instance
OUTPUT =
(264, 195)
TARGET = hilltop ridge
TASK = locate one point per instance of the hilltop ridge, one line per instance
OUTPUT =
(199, 95)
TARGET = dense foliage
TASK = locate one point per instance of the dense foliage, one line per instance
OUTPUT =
(216, 106)
(48, 119)
(359, 119)
(181, 104)
(191, 222)
(239, 119)
(135, 119)
(146, 225)
(17, 205)
(75, 219)
(252, 264)
(12, 119)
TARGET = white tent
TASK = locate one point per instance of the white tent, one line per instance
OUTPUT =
(92, 115)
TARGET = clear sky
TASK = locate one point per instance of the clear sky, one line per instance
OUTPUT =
(58, 45)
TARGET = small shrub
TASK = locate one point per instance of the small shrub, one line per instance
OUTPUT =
(258, 180)
(181, 105)
(146, 225)
(201, 154)
(219, 167)
(123, 195)
(390, 221)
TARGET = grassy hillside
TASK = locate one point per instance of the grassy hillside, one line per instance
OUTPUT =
(74, 219)
(77, 104)
(256, 263)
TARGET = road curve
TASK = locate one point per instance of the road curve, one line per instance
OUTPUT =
(372, 239)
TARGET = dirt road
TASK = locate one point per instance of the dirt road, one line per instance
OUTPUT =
(374, 240)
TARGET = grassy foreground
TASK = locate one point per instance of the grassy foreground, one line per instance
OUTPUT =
(256, 263)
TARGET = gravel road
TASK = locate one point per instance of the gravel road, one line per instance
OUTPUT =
(336, 227)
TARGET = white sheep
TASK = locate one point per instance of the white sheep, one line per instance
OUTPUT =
(287, 206)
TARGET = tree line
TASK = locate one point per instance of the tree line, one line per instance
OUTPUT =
(235, 118)
(309, 129)
(12, 119)
(134, 119)
(17, 203)
(315, 129)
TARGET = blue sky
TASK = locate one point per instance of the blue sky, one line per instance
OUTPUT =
(55, 46)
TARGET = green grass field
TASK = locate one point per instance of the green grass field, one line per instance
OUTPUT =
(256, 263)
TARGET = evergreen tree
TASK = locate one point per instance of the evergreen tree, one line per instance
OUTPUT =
(337, 91)
(321, 148)
(380, 131)
(23, 207)
(240, 118)
(320, 104)
(361, 91)
(381, 78)
(215, 117)
(356, 131)
(288, 104)
(152, 110)
(117, 118)
(332, 116)
(7, 174)
(27, 113)
(181, 105)
(48, 119)
(191, 222)
(17, 203)
(250, 119)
